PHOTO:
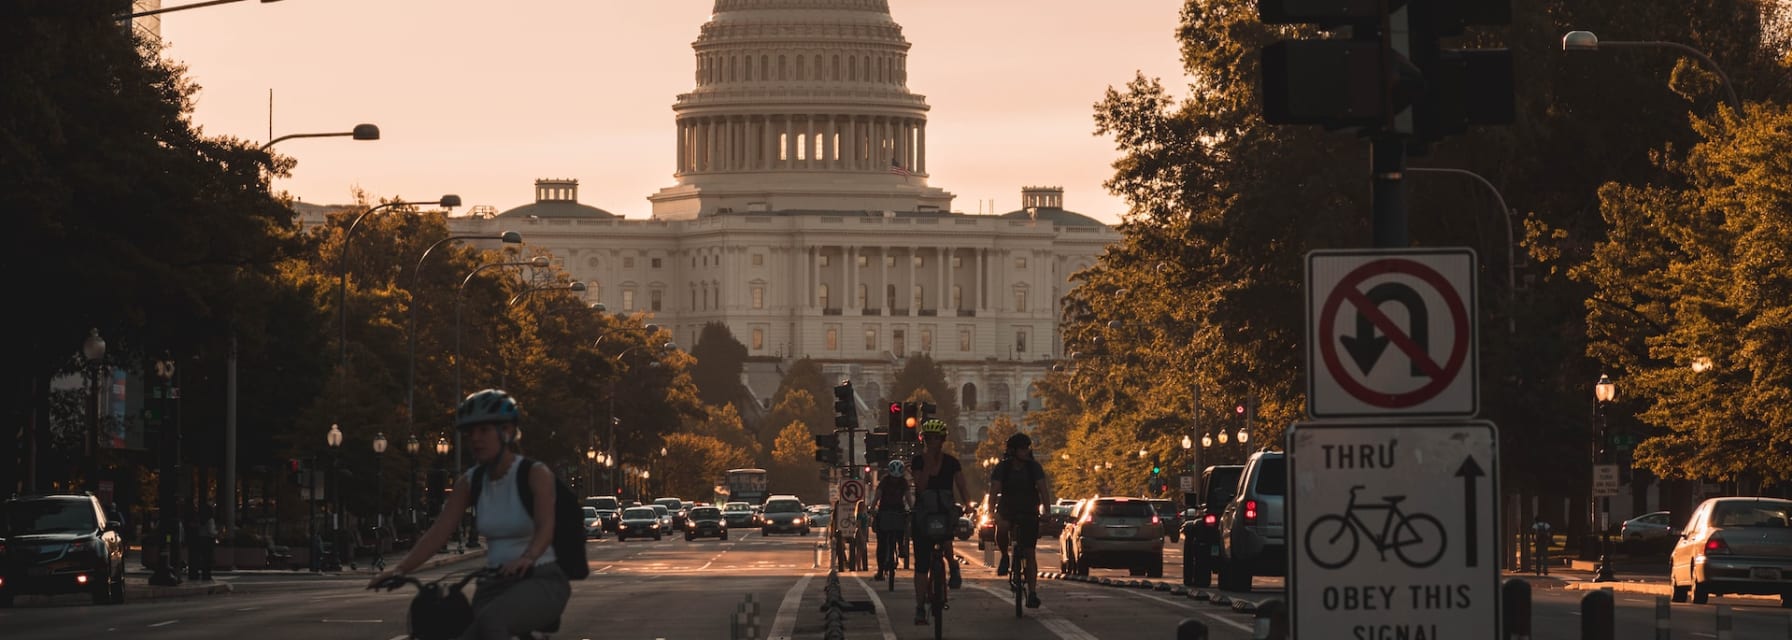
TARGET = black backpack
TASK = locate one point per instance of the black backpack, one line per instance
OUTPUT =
(569, 518)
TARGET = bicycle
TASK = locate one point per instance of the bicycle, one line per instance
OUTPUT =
(1400, 531)
(936, 588)
(1016, 578)
(440, 611)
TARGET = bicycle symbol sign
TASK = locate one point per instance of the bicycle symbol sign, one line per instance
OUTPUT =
(1391, 529)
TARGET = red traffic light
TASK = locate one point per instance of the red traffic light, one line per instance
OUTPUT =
(1239, 409)
(896, 408)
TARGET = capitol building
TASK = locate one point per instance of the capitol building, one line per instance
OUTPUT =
(802, 217)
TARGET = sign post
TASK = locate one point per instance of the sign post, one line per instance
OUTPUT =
(1393, 529)
(1605, 481)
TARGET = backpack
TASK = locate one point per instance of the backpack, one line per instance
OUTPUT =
(569, 518)
(1012, 479)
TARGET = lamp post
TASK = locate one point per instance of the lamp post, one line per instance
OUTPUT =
(184, 7)
(1506, 217)
(1603, 392)
(652, 329)
(167, 506)
(411, 447)
(360, 132)
(539, 262)
(410, 380)
(379, 479)
(334, 440)
(1587, 41)
(449, 201)
(590, 470)
(93, 351)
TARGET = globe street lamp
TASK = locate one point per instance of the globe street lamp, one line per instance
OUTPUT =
(334, 440)
(1603, 392)
(167, 498)
(411, 447)
(1586, 41)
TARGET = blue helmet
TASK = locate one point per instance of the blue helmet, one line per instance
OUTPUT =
(490, 405)
(896, 467)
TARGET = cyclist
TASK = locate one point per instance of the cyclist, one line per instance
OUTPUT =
(891, 505)
(532, 592)
(1024, 492)
(937, 474)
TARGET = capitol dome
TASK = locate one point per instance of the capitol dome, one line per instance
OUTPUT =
(800, 105)
(557, 199)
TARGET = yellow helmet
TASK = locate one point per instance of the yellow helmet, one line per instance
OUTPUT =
(935, 425)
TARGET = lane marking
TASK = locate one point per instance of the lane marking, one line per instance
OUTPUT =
(248, 609)
(883, 613)
(1209, 614)
(785, 623)
(1053, 622)
(163, 623)
(370, 621)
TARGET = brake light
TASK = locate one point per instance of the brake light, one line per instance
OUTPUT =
(81, 579)
(1154, 519)
(1250, 511)
(1716, 545)
(1211, 520)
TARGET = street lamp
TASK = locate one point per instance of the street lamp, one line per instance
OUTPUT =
(651, 329)
(184, 7)
(410, 383)
(334, 440)
(1586, 41)
(411, 447)
(167, 498)
(539, 262)
(93, 351)
(1603, 392)
(1506, 215)
(448, 201)
(379, 479)
(361, 132)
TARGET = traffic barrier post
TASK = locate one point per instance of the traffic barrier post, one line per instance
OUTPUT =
(1596, 621)
(1191, 629)
(1515, 608)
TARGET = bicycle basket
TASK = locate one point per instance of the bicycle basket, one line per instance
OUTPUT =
(439, 613)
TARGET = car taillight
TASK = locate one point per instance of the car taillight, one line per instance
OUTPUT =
(1154, 520)
(1250, 511)
(1716, 545)
(1211, 520)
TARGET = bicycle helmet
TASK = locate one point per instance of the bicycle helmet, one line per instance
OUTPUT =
(896, 467)
(490, 405)
(935, 425)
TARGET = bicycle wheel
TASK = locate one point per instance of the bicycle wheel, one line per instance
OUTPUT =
(937, 599)
(1419, 540)
(1018, 584)
(1332, 541)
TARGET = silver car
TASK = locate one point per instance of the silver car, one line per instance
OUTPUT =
(1734, 545)
(1648, 531)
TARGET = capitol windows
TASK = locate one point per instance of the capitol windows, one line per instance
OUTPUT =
(889, 261)
(656, 263)
(628, 262)
(957, 261)
(628, 299)
(890, 297)
(870, 338)
(864, 261)
(781, 73)
(693, 299)
(864, 291)
(1020, 263)
(826, 260)
(758, 259)
(920, 262)
(915, 297)
(927, 341)
(1020, 342)
(821, 295)
(1020, 298)
(758, 339)
(898, 341)
(832, 337)
(957, 296)
(655, 299)
(964, 339)
(759, 297)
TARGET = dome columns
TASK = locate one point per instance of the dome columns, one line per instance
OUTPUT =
(801, 142)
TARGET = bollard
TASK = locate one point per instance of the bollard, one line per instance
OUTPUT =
(1515, 608)
(1271, 622)
(819, 545)
(1723, 622)
(1191, 629)
(1663, 630)
(1596, 615)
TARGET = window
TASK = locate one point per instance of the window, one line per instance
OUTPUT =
(693, 262)
(656, 263)
(926, 341)
(655, 299)
(759, 297)
(889, 296)
(964, 339)
(693, 299)
(915, 297)
(920, 262)
(758, 259)
(1020, 299)
(821, 295)
(628, 299)
(870, 338)
(826, 260)
(1020, 342)
(889, 261)
(898, 341)
(957, 297)
(864, 261)
(833, 338)
(1020, 263)
(863, 292)
(628, 262)
(758, 339)
(957, 261)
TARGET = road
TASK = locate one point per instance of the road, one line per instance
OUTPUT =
(674, 589)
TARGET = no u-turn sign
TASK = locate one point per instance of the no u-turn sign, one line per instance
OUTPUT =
(1392, 333)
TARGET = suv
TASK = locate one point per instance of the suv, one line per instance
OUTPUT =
(1251, 538)
(677, 508)
(609, 511)
(51, 544)
(1201, 523)
(739, 515)
(1171, 517)
(1114, 532)
(784, 513)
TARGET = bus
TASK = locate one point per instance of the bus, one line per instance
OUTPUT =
(744, 485)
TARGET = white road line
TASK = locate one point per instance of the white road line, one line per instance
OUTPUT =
(785, 623)
(164, 623)
(1053, 622)
(367, 621)
(883, 613)
(1209, 614)
(248, 609)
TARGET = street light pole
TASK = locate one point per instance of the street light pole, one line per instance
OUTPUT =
(448, 202)
(167, 520)
(184, 7)
(538, 262)
(411, 446)
(410, 381)
(93, 351)
(1587, 41)
(361, 132)
(334, 440)
(1505, 216)
(1603, 392)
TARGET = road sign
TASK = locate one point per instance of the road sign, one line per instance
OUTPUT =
(1605, 480)
(1391, 332)
(852, 490)
(1188, 483)
(1393, 530)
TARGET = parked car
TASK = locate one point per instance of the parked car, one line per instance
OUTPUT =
(784, 513)
(704, 522)
(739, 515)
(594, 526)
(1170, 515)
(639, 522)
(1114, 532)
(1734, 545)
(59, 543)
(1648, 532)
(1201, 523)
(1252, 540)
(609, 510)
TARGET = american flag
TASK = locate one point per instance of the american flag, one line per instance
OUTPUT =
(896, 168)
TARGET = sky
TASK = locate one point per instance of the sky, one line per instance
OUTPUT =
(480, 98)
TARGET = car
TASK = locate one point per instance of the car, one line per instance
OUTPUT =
(986, 529)
(665, 516)
(1172, 518)
(1201, 523)
(965, 528)
(1114, 532)
(819, 515)
(1252, 541)
(676, 508)
(739, 515)
(609, 510)
(594, 525)
(1734, 545)
(60, 543)
(1648, 532)
(704, 522)
(640, 522)
(784, 513)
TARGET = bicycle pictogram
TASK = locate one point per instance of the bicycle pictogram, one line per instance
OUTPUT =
(1417, 538)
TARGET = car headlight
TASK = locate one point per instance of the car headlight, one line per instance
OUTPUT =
(796, 521)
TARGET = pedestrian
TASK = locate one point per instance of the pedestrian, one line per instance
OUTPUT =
(205, 544)
(1541, 537)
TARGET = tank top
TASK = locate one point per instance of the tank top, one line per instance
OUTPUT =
(505, 525)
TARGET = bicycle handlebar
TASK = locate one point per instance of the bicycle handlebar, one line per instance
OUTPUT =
(394, 582)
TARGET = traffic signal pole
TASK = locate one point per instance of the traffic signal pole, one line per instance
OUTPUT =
(1388, 195)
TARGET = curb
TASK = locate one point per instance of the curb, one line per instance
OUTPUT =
(1648, 588)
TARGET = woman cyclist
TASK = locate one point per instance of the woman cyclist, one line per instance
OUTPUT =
(937, 473)
(532, 592)
(891, 506)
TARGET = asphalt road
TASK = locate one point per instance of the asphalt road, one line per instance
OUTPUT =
(674, 589)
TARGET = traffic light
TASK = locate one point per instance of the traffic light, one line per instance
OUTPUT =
(827, 448)
(292, 470)
(1156, 467)
(1461, 87)
(911, 421)
(877, 448)
(846, 414)
(895, 426)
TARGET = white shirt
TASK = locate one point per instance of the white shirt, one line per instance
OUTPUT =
(503, 522)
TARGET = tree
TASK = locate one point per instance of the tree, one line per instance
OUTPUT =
(993, 446)
(804, 375)
(921, 379)
(794, 407)
(723, 424)
(695, 464)
(720, 360)
(793, 467)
